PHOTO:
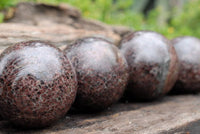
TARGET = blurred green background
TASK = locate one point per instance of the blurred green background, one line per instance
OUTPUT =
(169, 17)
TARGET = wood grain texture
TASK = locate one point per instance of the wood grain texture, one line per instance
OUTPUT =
(156, 117)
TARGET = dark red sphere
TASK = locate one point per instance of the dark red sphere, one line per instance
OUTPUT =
(188, 51)
(37, 84)
(102, 73)
(153, 65)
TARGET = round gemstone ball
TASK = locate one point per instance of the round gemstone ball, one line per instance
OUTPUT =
(153, 65)
(102, 73)
(188, 51)
(37, 84)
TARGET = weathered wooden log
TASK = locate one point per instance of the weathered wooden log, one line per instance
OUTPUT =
(160, 116)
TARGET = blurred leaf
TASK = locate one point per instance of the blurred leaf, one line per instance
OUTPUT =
(1, 17)
(170, 17)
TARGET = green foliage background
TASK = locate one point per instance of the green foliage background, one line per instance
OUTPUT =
(123, 12)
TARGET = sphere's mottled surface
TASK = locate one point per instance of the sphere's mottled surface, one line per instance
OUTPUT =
(101, 72)
(37, 84)
(188, 51)
(153, 64)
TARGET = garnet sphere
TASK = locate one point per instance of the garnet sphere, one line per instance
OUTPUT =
(102, 73)
(188, 51)
(153, 65)
(37, 84)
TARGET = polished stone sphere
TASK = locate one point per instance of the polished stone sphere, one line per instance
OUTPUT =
(37, 84)
(153, 65)
(102, 73)
(188, 51)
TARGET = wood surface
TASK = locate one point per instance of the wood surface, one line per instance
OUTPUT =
(160, 116)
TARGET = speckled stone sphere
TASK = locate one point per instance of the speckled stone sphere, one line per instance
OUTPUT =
(37, 84)
(188, 51)
(153, 65)
(102, 73)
